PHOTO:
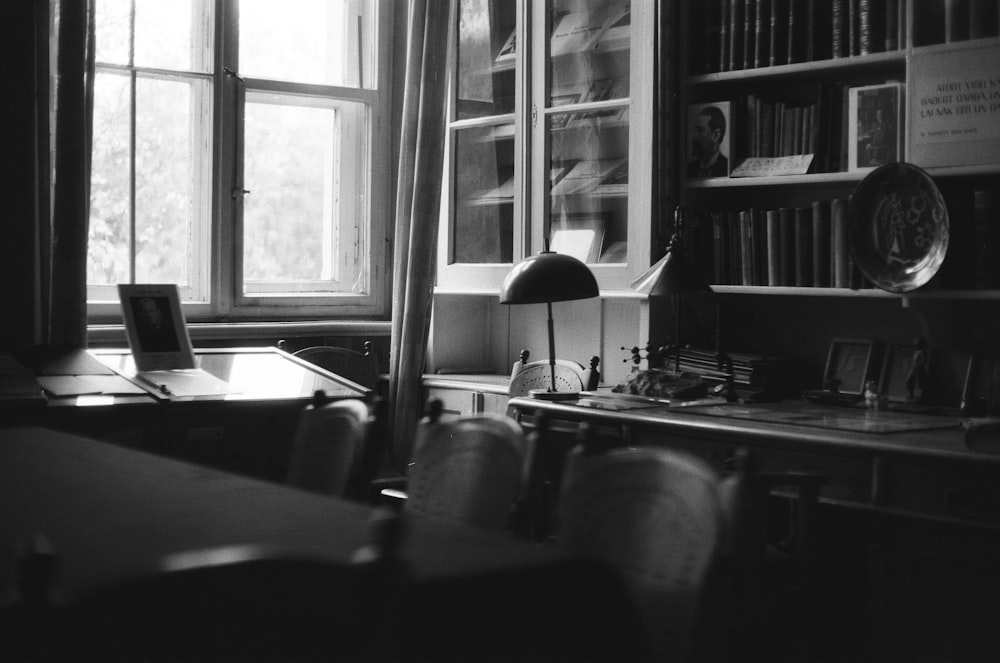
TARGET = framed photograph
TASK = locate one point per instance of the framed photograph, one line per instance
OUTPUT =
(157, 331)
(580, 236)
(981, 394)
(848, 364)
(709, 138)
(873, 128)
(896, 367)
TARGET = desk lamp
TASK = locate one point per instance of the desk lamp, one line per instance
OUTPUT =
(545, 278)
(672, 275)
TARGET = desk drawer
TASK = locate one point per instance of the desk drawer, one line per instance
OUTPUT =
(953, 491)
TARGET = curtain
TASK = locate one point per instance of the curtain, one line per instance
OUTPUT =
(418, 199)
(48, 62)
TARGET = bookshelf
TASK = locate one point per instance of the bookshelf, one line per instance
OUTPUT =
(858, 89)
(552, 138)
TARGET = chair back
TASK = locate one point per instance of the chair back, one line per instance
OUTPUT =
(537, 375)
(328, 447)
(655, 514)
(358, 367)
(469, 470)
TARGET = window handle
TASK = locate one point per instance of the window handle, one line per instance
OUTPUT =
(232, 74)
(240, 192)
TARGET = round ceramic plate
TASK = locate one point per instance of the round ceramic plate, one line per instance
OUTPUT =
(898, 227)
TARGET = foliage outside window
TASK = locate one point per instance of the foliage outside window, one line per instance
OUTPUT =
(234, 148)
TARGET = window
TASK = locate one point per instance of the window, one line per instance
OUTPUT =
(234, 147)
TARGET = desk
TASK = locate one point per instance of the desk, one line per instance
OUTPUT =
(248, 431)
(115, 515)
(910, 519)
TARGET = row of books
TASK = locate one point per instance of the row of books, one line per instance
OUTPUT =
(944, 21)
(790, 246)
(763, 374)
(747, 34)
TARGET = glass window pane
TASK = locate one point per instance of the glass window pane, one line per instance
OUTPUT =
(302, 218)
(483, 230)
(113, 30)
(308, 41)
(486, 50)
(589, 45)
(108, 243)
(589, 184)
(168, 178)
(172, 35)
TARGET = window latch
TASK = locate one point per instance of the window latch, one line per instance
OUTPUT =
(240, 192)
(232, 74)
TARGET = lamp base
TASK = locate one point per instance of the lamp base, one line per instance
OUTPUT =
(546, 395)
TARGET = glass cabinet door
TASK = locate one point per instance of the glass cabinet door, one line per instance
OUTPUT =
(483, 190)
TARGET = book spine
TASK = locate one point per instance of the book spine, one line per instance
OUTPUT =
(725, 7)
(803, 247)
(865, 27)
(838, 33)
(759, 220)
(786, 221)
(749, 32)
(774, 36)
(746, 240)
(852, 27)
(980, 25)
(760, 34)
(841, 266)
(892, 25)
(792, 46)
(718, 248)
(986, 226)
(821, 243)
(810, 30)
(774, 248)
(735, 35)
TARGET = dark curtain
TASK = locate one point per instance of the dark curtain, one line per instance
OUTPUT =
(48, 58)
(418, 199)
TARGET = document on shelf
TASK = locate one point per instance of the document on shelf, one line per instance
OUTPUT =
(185, 382)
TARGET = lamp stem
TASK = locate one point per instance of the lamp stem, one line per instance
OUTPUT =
(552, 348)
(677, 336)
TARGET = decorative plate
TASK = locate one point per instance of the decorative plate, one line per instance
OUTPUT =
(898, 227)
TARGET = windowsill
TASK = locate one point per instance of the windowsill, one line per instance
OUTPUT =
(204, 331)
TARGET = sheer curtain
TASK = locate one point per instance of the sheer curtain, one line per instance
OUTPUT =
(418, 199)
(46, 172)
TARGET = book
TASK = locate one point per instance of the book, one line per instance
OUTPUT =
(852, 27)
(585, 175)
(982, 19)
(786, 221)
(761, 27)
(776, 35)
(749, 32)
(838, 31)
(774, 247)
(725, 8)
(956, 20)
(986, 228)
(840, 256)
(803, 247)
(736, 35)
(821, 244)
(792, 46)
(892, 25)
(718, 247)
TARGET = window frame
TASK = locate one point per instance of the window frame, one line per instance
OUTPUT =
(224, 282)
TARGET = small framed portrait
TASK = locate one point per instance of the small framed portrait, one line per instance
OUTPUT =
(157, 331)
(708, 140)
(981, 393)
(897, 366)
(848, 365)
(873, 126)
(580, 236)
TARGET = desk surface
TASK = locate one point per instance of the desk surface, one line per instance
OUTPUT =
(112, 514)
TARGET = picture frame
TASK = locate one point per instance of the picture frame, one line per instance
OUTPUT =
(155, 325)
(981, 392)
(896, 366)
(848, 364)
(578, 235)
(874, 126)
(709, 140)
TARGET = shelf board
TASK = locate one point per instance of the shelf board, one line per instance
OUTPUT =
(869, 293)
(778, 180)
(815, 68)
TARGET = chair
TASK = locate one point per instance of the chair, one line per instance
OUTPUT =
(657, 515)
(328, 452)
(469, 470)
(358, 367)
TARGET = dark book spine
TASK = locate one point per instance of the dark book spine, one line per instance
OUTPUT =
(892, 25)
(986, 227)
(839, 30)
(774, 248)
(759, 220)
(981, 24)
(718, 248)
(760, 41)
(735, 35)
(803, 247)
(852, 27)
(749, 32)
(821, 243)
(840, 257)
(865, 27)
(809, 28)
(775, 56)
(786, 220)
(792, 45)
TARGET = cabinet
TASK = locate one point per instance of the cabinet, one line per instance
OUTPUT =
(852, 84)
(549, 141)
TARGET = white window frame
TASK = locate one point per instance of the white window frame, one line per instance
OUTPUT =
(222, 298)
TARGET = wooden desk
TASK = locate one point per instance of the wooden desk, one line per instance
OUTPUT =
(910, 519)
(248, 431)
(114, 516)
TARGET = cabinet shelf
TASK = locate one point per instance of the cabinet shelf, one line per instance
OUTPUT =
(776, 181)
(853, 65)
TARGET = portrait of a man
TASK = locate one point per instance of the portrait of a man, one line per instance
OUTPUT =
(154, 324)
(708, 140)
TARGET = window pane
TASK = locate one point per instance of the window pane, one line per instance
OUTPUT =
(303, 213)
(169, 178)
(589, 44)
(483, 230)
(108, 244)
(486, 50)
(113, 29)
(307, 41)
(172, 35)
